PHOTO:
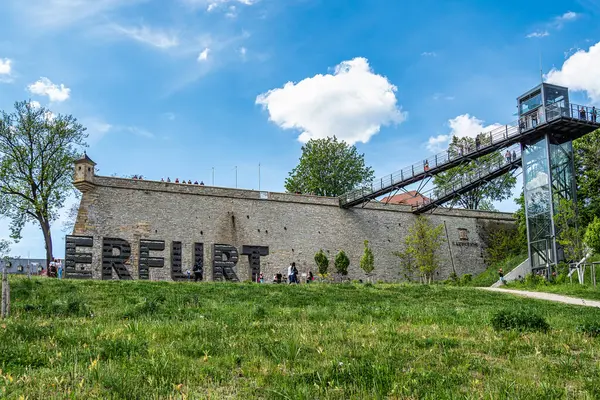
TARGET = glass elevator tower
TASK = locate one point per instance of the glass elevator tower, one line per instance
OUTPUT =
(547, 156)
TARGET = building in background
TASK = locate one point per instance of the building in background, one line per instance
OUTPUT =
(410, 198)
(23, 265)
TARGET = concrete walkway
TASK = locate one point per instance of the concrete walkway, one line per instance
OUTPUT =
(547, 296)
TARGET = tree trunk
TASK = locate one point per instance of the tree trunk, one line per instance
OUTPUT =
(45, 225)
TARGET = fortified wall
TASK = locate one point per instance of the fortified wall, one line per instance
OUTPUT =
(138, 229)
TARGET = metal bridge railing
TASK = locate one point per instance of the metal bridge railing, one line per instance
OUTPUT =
(488, 139)
(483, 171)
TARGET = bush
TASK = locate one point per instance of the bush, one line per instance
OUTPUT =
(592, 235)
(367, 261)
(519, 320)
(322, 262)
(341, 263)
(466, 279)
(590, 328)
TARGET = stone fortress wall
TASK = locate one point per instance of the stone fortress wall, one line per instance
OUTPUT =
(293, 227)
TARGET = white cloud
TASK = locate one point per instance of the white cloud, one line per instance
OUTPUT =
(152, 37)
(580, 72)
(566, 17)
(462, 126)
(45, 87)
(436, 144)
(5, 66)
(429, 54)
(538, 34)
(96, 129)
(212, 5)
(203, 56)
(35, 104)
(352, 104)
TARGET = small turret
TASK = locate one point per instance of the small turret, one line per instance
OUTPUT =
(83, 176)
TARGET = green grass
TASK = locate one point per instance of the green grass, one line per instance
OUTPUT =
(574, 289)
(134, 340)
(490, 275)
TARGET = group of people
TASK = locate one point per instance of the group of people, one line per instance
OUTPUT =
(510, 157)
(593, 114)
(168, 180)
(55, 269)
(183, 182)
(198, 272)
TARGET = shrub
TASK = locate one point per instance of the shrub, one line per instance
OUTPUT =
(322, 262)
(367, 261)
(592, 235)
(519, 320)
(466, 279)
(534, 280)
(341, 263)
(590, 328)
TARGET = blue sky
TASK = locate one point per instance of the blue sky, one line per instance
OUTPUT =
(175, 88)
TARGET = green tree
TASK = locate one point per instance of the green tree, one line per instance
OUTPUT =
(521, 218)
(328, 167)
(4, 249)
(422, 247)
(479, 198)
(587, 159)
(37, 151)
(568, 235)
(367, 260)
(592, 235)
(341, 263)
(322, 262)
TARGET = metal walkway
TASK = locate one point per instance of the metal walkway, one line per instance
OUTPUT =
(560, 119)
(465, 183)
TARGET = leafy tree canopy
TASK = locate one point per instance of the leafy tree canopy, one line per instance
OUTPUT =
(37, 151)
(587, 172)
(480, 198)
(328, 167)
(422, 244)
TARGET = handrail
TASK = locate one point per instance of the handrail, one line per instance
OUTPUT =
(497, 135)
(484, 170)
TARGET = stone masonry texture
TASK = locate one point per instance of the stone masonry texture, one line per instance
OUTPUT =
(294, 227)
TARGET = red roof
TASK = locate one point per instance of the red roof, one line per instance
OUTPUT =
(411, 198)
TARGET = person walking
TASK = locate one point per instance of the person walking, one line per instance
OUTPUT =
(59, 268)
(582, 113)
(594, 114)
(290, 273)
(295, 273)
(198, 272)
(501, 275)
(507, 156)
(514, 155)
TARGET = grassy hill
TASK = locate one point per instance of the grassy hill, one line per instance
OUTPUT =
(134, 340)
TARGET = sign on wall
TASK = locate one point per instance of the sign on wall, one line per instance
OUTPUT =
(116, 255)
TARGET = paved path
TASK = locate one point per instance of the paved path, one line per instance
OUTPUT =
(547, 296)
